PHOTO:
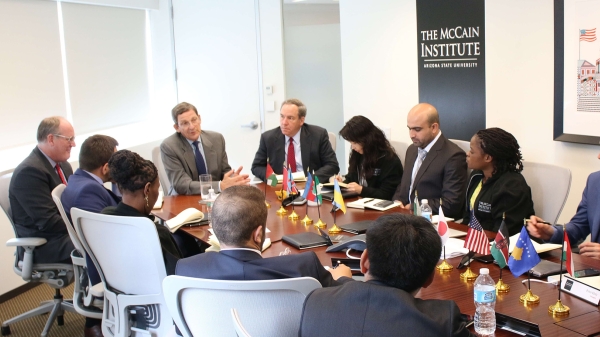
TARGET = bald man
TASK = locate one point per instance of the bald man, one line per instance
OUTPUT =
(34, 212)
(435, 168)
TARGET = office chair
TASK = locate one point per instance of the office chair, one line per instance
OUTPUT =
(269, 308)
(56, 275)
(239, 328)
(332, 140)
(84, 294)
(162, 174)
(128, 256)
(400, 148)
(550, 185)
(463, 144)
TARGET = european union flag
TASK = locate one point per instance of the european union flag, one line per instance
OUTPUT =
(524, 256)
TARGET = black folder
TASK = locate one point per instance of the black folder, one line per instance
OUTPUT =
(305, 240)
(359, 227)
(327, 193)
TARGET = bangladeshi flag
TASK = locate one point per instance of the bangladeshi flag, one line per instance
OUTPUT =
(500, 245)
(270, 175)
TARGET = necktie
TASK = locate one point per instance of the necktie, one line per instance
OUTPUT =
(60, 174)
(200, 165)
(420, 157)
(291, 156)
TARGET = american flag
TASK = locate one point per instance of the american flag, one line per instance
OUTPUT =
(588, 35)
(476, 240)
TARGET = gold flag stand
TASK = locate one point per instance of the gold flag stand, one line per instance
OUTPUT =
(335, 229)
(529, 298)
(558, 309)
(320, 224)
(468, 275)
(293, 216)
(306, 221)
(502, 287)
(444, 266)
(281, 211)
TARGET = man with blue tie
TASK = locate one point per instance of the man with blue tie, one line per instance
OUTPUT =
(192, 151)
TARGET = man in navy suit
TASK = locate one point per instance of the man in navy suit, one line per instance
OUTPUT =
(34, 213)
(400, 259)
(86, 191)
(239, 216)
(303, 147)
(586, 221)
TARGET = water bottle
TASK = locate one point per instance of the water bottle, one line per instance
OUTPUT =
(485, 302)
(425, 209)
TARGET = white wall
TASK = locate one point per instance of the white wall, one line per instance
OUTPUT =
(380, 75)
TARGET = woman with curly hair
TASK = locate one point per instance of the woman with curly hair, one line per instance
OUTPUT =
(137, 179)
(496, 186)
(374, 171)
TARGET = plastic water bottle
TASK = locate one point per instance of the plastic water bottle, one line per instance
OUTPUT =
(425, 209)
(485, 303)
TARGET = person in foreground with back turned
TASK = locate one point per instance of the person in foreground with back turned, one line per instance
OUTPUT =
(375, 171)
(402, 251)
(496, 186)
(137, 179)
(239, 219)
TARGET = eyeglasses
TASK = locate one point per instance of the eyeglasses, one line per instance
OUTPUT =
(68, 139)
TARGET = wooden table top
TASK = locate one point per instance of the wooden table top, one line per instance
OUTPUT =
(584, 318)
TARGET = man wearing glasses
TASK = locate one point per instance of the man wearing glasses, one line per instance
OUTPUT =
(33, 210)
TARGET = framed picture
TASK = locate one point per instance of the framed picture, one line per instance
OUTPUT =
(576, 71)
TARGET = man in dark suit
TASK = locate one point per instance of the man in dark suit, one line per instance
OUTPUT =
(402, 251)
(238, 219)
(192, 151)
(86, 191)
(299, 145)
(34, 212)
(435, 167)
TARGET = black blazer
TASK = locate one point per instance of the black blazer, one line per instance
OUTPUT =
(443, 174)
(373, 309)
(240, 265)
(385, 179)
(317, 153)
(34, 212)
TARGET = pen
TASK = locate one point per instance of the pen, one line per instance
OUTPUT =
(337, 264)
(545, 222)
(367, 200)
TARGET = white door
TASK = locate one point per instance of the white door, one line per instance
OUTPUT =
(217, 70)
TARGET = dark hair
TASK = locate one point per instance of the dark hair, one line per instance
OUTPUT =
(130, 171)
(503, 147)
(96, 151)
(298, 103)
(403, 250)
(48, 126)
(181, 108)
(237, 212)
(361, 130)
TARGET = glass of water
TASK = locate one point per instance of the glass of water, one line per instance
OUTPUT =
(205, 185)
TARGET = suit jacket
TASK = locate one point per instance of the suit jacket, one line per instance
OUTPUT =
(317, 153)
(587, 219)
(373, 309)
(86, 193)
(34, 212)
(385, 179)
(443, 174)
(180, 164)
(240, 265)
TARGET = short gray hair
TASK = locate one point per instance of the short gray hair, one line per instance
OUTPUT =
(298, 103)
(48, 126)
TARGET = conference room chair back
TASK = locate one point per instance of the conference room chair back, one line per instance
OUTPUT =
(55, 275)
(162, 174)
(269, 308)
(463, 144)
(128, 256)
(550, 185)
(239, 328)
(83, 294)
(400, 148)
(332, 140)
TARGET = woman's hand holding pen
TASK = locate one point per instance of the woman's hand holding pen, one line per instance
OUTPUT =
(539, 228)
(337, 177)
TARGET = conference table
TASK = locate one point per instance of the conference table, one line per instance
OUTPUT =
(583, 319)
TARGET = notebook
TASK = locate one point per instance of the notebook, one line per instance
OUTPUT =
(305, 240)
(359, 227)
(371, 203)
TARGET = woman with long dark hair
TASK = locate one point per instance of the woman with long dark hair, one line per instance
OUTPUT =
(496, 186)
(374, 170)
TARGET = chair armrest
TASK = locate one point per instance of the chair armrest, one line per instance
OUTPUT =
(22, 242)
(98, 290)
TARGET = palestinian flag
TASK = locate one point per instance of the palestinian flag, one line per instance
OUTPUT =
(270, 175)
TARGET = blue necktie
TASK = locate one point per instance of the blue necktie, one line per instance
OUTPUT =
(200, 165)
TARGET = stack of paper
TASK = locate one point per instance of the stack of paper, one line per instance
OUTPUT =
(454, 248)
(186, 216)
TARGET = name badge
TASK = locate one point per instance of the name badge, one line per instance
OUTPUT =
(376, 172)
(484, 207)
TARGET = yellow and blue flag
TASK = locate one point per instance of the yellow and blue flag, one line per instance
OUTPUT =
(338, 199)
(524, 257)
